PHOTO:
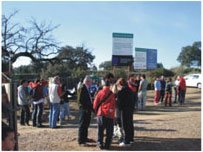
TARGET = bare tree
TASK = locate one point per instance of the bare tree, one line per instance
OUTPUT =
(35, 42)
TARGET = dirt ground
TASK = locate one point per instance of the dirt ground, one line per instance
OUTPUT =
(158, 128)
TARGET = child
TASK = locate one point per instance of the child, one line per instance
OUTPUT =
(8, 140)
(168, 93)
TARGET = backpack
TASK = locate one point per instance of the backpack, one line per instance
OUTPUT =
(34, 94)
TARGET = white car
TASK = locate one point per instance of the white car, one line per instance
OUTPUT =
(193, 80)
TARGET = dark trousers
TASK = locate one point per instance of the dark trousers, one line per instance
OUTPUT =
(37, 114)
(175, 94)
(168, 96)
(104, 123)
(162, 94)
(25, 114)
(84, 122)
(127, 121)
(181, 96)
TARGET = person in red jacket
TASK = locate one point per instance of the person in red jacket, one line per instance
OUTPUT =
(132, 85)
(181, 90)
(104, 105)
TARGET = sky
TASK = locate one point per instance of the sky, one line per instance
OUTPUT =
(165, 26)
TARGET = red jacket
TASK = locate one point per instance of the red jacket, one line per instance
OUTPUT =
(182, 84)
(132, 85)
(108, 107)
(40, 90)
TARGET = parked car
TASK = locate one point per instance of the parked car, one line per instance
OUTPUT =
(193, 80)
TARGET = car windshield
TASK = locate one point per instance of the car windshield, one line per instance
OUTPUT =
(195, 76)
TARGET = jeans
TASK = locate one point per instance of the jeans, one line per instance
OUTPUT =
(181, 96)
(25, 114)
(84, 122)
(162, 94)
(142, 100)
(37, 113)
(64, 108)
(175, 94)
(53, 114)
(104, 123)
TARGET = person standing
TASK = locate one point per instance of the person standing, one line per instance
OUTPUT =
(104, 105)
(125, 101)
(142, 92)
(24, 103)
(176, 89)
(65, 104)
(55, 93)
(168, 93)
(38, 103)
(132, 85)
(163, 86)
(181, 90)
(137, 82)
(157, 88)
(85, 109)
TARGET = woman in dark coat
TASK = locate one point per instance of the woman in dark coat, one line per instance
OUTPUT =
(126, 105)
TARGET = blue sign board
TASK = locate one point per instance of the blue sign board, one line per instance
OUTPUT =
(151, 59)
(145, 58)
(118, 60)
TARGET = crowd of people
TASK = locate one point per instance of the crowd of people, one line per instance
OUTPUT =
(163, 90)
(114, 102)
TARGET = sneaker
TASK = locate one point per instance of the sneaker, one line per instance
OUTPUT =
(132, 142)
(122, 144)
(61, 122)
(100, 146)
(27, 124)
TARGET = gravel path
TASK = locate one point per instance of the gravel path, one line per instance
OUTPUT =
(157, 128)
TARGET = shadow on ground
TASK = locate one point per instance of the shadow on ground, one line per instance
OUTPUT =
(162, 144)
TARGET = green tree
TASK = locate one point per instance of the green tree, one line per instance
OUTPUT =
(72, 62)
(107, 65)
(76, 57)
(190, 55)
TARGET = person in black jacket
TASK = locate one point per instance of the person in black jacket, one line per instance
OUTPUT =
(168, 93)
(64, 106)
(163, 86)
(126, 105)
(85, 108)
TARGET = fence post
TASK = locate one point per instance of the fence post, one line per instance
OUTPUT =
(13, 121)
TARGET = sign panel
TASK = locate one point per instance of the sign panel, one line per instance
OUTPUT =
(122, 44)
(140, 58)
(118, 60)
(145, 58)
(151, 59)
